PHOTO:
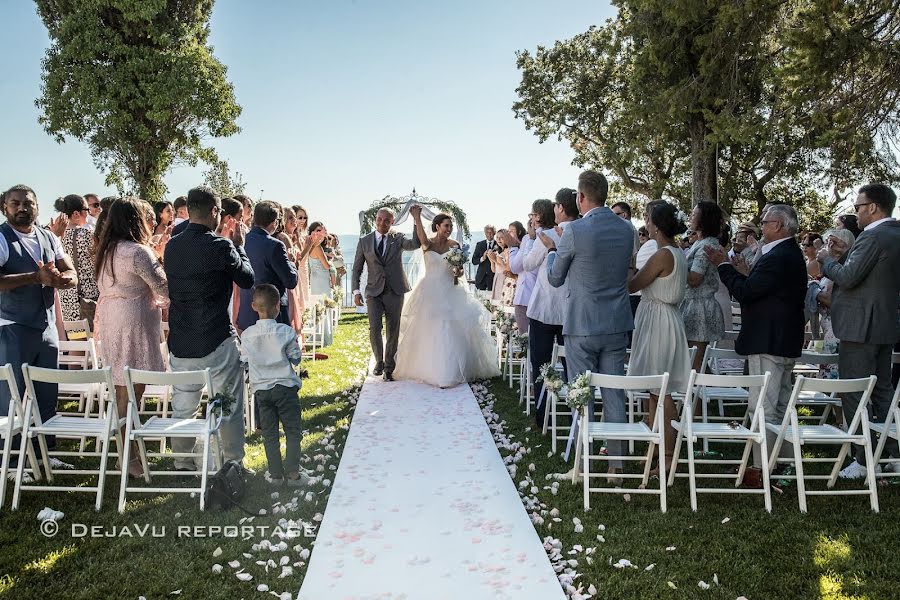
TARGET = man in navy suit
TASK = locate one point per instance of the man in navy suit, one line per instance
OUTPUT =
(772, 298)
(270, 262)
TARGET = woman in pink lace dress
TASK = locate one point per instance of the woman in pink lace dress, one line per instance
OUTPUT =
(133, 291)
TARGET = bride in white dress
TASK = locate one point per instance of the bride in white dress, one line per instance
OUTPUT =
(442, 339)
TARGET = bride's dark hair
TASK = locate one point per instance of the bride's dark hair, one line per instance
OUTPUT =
(438, 219)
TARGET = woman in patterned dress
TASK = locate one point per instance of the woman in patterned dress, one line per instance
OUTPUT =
(703, 322)
(78, 243)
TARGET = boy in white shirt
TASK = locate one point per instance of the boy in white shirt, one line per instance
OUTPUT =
(271, 350)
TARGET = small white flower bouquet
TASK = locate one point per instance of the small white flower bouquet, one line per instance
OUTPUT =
(579, 392)
(456, 259)
(550, 376)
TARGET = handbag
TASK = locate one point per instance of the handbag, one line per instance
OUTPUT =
(227, 486)
(87, 308)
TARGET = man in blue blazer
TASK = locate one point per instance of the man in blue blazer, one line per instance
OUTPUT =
(772, 333)
(270, 262)
(593, 257)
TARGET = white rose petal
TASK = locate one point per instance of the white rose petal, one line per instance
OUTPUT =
(650, 567)
(217, 568)
(702, 585)
(244, 576)
(217, 552)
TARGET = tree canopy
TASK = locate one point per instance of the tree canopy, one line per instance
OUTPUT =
(136, 81)
(703, 100)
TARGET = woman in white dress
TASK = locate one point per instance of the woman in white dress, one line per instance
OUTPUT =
(660, 344)
(442, 340)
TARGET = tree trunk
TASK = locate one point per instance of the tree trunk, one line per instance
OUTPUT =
(703, 162)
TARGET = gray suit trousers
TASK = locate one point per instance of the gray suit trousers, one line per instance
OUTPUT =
(601, 354)
(388, 306)
(858, 360)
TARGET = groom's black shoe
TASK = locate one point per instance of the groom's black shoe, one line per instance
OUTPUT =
(388, 376)
(378, 371)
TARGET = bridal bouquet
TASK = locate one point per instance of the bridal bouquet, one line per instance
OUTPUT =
(456, 258)
(579, 392)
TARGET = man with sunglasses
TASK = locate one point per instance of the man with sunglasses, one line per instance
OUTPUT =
(94, 209)
(864, 304)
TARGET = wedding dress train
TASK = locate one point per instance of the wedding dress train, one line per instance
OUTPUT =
(443, 341)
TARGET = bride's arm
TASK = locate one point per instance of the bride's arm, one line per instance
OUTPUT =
(420, 229)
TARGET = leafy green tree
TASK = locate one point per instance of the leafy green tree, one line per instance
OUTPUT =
(136, 81)
(697, 100)
(219, 178)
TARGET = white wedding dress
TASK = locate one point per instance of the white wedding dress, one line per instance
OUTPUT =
(443, 341)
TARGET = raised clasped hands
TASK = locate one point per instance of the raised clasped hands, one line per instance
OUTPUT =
(416, 211)
(834, 248)
(716, 255)
(49, 276)
(547, 241)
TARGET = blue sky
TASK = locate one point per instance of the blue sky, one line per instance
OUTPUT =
(344, 102)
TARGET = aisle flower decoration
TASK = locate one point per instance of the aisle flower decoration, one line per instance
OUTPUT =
(550, 376)
(519, 344)
(456, 259)
(505, 322)
(579, 392)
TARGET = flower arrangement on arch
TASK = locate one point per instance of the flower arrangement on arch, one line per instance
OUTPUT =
(456, 259)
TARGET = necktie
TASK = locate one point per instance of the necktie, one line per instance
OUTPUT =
(381, 247)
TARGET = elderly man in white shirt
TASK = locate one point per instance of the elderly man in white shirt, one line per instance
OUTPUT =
(547, 307)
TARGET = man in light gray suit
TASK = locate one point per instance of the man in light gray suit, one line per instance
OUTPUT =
(382, 252)
(864, 304)
(593, 258)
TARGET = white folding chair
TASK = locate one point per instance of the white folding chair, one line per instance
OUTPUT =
(77, 330)
(689, 431)
(313, 332)
(104, 427)
(726, 396)
(556, 406)
(516, 357)
(206, 429)
(82, 355)
(830, 404)
(884, 431)
(11, 425)
(591, 430)
(827, 435)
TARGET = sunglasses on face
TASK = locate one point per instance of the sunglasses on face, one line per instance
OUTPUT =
(94, 205)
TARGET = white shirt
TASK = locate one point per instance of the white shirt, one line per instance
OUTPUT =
(91, 222)
(378, 237)
(31, 245)
(768, 247)
(33, 248)
(548, 304)
(525, 282)
(877, 223)
(270, 349)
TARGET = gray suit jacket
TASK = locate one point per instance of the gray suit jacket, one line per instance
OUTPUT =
(384, 272)
(593, 256)
(866, 287)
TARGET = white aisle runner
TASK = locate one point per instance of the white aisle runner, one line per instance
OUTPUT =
(423, 507)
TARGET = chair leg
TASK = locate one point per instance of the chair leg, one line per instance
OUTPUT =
(676, 457)
(663, 499)
(4, 466)
(145, 462)
(743, 467)
(798, 465)
(205, 463)
(104, 459)
(45, 456)
(586, 468)
(845, 449)
(691, 471)
(650, 447)
(547, 401)
(870, 470)
(767, 487)
(124, 457)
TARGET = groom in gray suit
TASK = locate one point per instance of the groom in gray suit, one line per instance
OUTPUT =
(382, 252)
(594, 256)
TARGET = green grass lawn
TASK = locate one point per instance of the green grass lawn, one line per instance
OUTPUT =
(33, 566)
(839, 550)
